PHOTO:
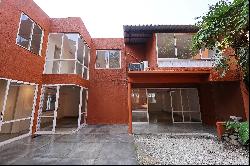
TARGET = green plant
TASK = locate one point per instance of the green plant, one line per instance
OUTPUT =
(242, 128)
(225, 25)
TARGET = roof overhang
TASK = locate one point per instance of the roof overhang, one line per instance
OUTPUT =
(168, 77)
(139, 34)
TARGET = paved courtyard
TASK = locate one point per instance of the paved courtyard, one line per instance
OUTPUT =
(104, 144)
(110, 144)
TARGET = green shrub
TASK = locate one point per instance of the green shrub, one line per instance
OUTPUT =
(242, 128)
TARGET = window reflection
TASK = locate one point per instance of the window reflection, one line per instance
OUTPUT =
(67, 54)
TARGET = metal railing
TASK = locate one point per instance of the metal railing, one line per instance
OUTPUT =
(174, 62)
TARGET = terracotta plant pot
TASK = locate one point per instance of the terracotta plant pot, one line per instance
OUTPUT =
(221, 128)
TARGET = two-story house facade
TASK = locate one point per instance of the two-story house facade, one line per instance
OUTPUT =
(55, 78)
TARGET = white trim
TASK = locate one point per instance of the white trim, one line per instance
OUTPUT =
(31, 34)
(135, 123)
(14, 139)
(80, 108)
(41, 43)
(58, 86)
(31, 118)
(15, 120)
(188, 122)
(56, 107)
(86, 106)
(139, 111)
(4, 103)
(181, 106)
(40, 108)
(33, 108)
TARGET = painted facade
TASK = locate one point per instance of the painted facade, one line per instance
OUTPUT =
(107, 97)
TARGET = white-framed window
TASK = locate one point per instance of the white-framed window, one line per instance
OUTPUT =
(108, 59)
(67, 53)
(30, 35)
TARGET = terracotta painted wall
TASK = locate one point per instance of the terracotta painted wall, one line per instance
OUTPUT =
(70, 24)
(135, 53)
(107, 103)
(16, 62)
(221, 100)
(151, 53)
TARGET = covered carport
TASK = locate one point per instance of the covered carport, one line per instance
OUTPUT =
(172, 86)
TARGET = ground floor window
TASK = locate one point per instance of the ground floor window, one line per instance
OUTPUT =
(17, 104)
(165, 105)
(63, 109)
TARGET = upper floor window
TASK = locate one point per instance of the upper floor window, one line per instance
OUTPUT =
(108, 59)
(67, 53)
(29, 35)
(174, 45)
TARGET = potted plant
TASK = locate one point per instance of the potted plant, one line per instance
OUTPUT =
(221, 128)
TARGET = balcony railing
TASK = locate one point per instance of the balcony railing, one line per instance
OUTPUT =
(174, 62)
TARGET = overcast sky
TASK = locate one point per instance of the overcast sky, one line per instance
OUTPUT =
(105, 18)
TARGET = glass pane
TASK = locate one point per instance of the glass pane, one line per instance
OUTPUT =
(102, 59)
(185, 100)
(177, 117)
(49, 101)
(176, 100)
(195, 116)
(19, 102)
(193, 100)
(84, 101)
(80, 50)
(14, 129)
(183, 44)
(54, 46)
(67, 67)
(86, 73)
(46, 123)
(23, 36)
(86, 58)
(78, 68)
(187, 116)
(3, 87)
(139, 100)
(165, 44)
(52, 67)
(114, 59)
(139, 116)
(36, 39)
(69, 46)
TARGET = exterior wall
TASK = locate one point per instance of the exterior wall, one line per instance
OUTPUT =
(135, 53)
(70, 24)
(220, 100)
(152, 53)
(107, 101)
(16, 62)
(65, 79)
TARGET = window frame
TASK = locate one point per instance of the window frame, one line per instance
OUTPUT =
(31, 34)
(120, 62)
(67, 60)
(175, 48)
